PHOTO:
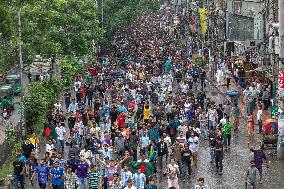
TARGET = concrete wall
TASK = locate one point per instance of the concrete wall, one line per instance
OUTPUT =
(252, 9)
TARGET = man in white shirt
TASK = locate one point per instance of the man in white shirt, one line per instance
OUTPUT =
(259, 119)
(73, 107)
(193, 143)
(77, 86)
(168, 141)
(212, 115)
(223, 121)
(60, 131)
(87, 154)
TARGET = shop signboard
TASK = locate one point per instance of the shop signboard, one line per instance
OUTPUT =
(281, 79)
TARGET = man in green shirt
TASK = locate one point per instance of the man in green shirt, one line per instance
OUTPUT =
(227, 129)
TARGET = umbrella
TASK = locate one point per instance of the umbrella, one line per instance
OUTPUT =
(233, 92)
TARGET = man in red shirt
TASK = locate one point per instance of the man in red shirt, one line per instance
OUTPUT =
(120, 120)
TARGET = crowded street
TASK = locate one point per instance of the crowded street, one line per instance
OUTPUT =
(161, 106)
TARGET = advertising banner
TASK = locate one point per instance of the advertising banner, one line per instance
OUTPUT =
(203, 20)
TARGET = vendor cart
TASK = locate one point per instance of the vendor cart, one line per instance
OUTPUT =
(270, 133)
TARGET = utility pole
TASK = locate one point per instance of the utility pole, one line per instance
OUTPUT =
(102, 7)
(21, 74)
(280, 143)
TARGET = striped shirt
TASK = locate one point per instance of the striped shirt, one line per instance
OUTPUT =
(139, 180)
(125, 176)
(70, 180)
(94, 178)
(111, 172)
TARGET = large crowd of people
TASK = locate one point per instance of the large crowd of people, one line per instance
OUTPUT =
(142, 112)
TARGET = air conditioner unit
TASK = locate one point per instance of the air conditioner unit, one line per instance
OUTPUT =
(276, 45)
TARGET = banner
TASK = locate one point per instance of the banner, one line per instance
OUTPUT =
(281, 79)
(203, 20)
(274, 112)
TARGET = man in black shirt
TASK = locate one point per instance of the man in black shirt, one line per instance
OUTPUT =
(67, 98)
(89, 93)
(71, 121)
(219, 154)
(212, 145)
(186, 160)
(162, 153)
(19, 169)
(27, 147)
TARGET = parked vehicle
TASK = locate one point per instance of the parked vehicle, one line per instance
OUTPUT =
(15, 81)
(7, 97)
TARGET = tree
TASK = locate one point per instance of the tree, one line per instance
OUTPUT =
(7, 47)
(64, 27)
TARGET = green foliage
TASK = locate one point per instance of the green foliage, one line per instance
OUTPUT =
(8, 50)
(40, 97)
(49, 27)
(7, 167)
(60, 27)
(70, 68)
(10, 135)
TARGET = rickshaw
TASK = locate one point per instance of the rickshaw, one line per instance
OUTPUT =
(270, 133)
(7, 97)
(15, 81)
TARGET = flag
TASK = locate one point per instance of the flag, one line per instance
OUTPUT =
(203, 20)
(49, 131)
(146, 167)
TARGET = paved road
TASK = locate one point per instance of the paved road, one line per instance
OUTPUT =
(15, 117)
(236, 162)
